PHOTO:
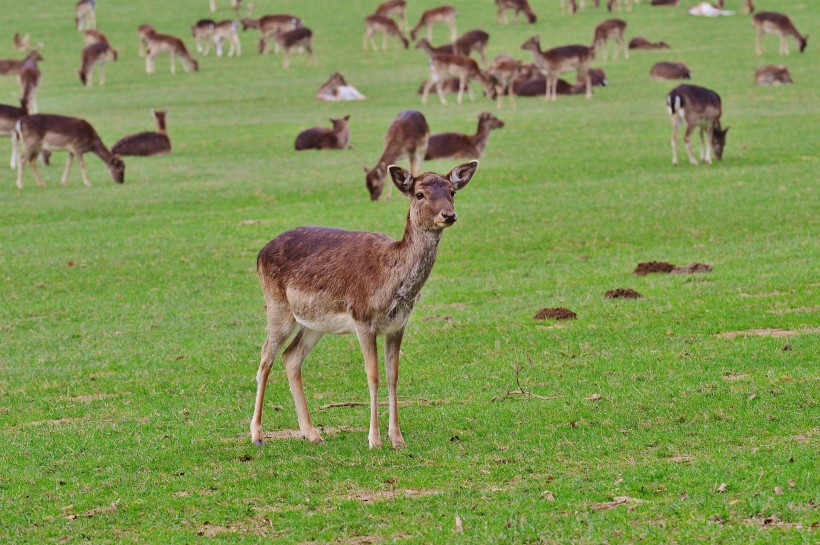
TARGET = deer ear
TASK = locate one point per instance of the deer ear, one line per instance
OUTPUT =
(726, 130)
(460, 175)
(347, 117)
(402, 178)
(366, 170)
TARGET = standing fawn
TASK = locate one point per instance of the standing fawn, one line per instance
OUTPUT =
(95, 55)
(227, 30)
(85, 14)
(41, 132)
(453, 145)
(669, 70)
(385, 25)
(773, 75)
(407, 137)
(443, 67)
(203, 33)
(776, 23)
(475, 40)
(157, 43)
(518, 5)
(320, 280)
(560, 59)
(639, 42)
(145, 144)
(322, 138)
(502, 73)
(298, 38)
(394, 8)
(443, 14)
(9, 116)
(699, 107)
(336, 89)
(614, 29)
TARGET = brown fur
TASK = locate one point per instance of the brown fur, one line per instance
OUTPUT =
(322, 138)
(639, 42)
(385, 25)
(698, 107)
(560, 59)
(157, 43)
(517, 5)
(442, 14)
(611, 4)
(301, 37)
(443, 67)
(425, 45)
(93, 36)
(776, 23)
(85, 16)
(407, 137)
(670, 70)
(611, 29)
(474, 40)
(772, 75)
(503, 72)
(146, 144)
(95, 55)
(453, 145)
(394, 8)
(336, 89)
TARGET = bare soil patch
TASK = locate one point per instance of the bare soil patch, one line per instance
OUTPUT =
(382, 495)
(653, 267)
(735, 376)
(794, 310)
(773, 521)
(87, 398)
(57, 422)
(445, 318)
(681, 459)
(296, 434)
(768, 332)
(623, 293)
(558, 313)
(692, 268)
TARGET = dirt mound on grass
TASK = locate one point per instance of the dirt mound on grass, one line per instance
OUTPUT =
(623, 293)
(651, 267)
(692, 268)
(559, 313)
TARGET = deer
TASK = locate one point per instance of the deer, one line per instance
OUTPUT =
(95, 55)
(425, 45)
(705, 9)
(48, 132)
(148, 143)
(611, 4)
(29, 80)
(519, 6)
(453, 145)
(474, 40)
(144, 31)
(235, 4)
(664, 3)
(394, 8)
(271, 25)
(337, 89)
(443, 14)
(94, 36)
(9, 116)
(776, 23)
(669, 70)
(502, 73)
(407, 137)
(301, 38)
(157, 43)
(699, 107)
(227, 30)
(773, 75)
(203, 32)
(323, 138)
(614, 29)
(536, 85)
(464, 68)
(639, 42)
(385, 25)
(22, 43)
(85, 16)
(560, 59)
(13, 67)
(748, 7)
(320, 280)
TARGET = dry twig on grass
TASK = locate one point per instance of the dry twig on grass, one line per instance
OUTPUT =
(521, 391)
(415, 401)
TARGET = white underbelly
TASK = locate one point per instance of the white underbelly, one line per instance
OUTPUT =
(331, 323)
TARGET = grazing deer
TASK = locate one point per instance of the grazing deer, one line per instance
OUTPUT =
(148, 143)
(443, 14)
(502, 73)
(614, 29)
(776, 23)
(56, 133)
(235, 4)
(270, 26)
(475, 40)
(298, 38)
(669, 70)
(385, 25)
(94, 36)
(773, 75)
(699, 107)
(394, 8)
(203, 33)
(9, 116)
(337, 89)
(611, 3)
(464, 68)
(560, 59)
(228, 31)
(157, 43)
(319, 280)
(518, 5)
(95, 55)
(406, 137)
(639, 42)
(85, 14)
(322, 138)
(453, 145)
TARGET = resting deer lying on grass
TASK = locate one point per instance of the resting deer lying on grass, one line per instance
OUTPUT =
(560, 59)
(407, 137)
(41, 132)
(773, 75)
(157, 43)
(322, 138)
(336, 89)
(394, 8)
(776, 23)
(385, 25)
(443, 14)
(639, 42)
(701, 108)
(669, 70)
(95, 55)
(320, 280)
(453, 145)
(443, 67)
(611, 29)
(518, 5)
(85, 16)
(148, 143)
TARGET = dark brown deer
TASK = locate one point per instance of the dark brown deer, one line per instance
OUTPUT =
(560, 59)
(475, 40)
(776, 23)
(773, 75)
(406, 137)
(385, 25)
(536, 86)
(56, 132)
(639, 42)
(337, 89)
(148, 143)
(698, 107)
(320, 280)
(443, 67)
(394, 8)
(298, 38)
(85, 16)
(95, 55)
(669, 70)
(519, 6)
(29, 80)
(611, 29)
(453, 145)
(157, 43)
(322, 138)
(444, 15)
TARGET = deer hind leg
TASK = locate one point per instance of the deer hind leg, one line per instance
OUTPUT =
(453, 32)
(392, 346)
(69, 160)
(173, 62)
(440, 92)
(675, 128)
(293, 358)
(708, 144)
(426, 92)
(367, 341)
(101, 74)
(588, 80)
(287, 57)
(384, 40)
(32, 161)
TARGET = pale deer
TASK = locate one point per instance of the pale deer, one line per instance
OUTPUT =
(95, 56)
(639, 42)
(321, 138)
(444, 15)
(94, 36)
(705, 9)
(519, 6)
(669, 70)
(41, 132)
(385, 25)
(611, 4)
(453, 145)
(337, 89)
(271, 25)
(9, 116)
(474, 40)
(164, 43)
(776, 23)
(203, 33)
(773, 75)
(227, 31)
(394, 8)
(554, 61)
(407, 137)
(443, 67)
(502, 73)
(85, 16)
(611, 29)
(698, 107)
(144, 31)
(235, 4)
(319, 280)
(148, 143)
(297, 39)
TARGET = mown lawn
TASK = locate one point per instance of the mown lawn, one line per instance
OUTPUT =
(131, 318)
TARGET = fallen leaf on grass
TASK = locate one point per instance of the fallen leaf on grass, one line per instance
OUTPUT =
(548, 496)
(752, 396)
(722, 488)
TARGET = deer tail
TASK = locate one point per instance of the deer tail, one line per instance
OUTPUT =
(674, 103)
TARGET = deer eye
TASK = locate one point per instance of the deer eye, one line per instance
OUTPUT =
(452, 193)
(419, 196)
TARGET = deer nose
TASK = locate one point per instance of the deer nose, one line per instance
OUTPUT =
(449, 218)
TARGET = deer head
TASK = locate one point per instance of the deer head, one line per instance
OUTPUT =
(117, 169)
(719, 140)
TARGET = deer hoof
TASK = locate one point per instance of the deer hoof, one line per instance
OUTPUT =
(313, 436)
(397, 442)
(375, 442)
(258, 443)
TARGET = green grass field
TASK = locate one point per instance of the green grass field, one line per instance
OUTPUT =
(131, 317)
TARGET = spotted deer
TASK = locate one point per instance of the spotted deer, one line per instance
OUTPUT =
(148, 143)
(773, 75)
(443, 67)
(394, 8)
(385, 25)
(453, 145)
(323, 138)
(444, 14)
(407, 137)
(425, 45)
(95, 56)
(776, 23)
(611, 29)
(85, 14)
(639, 42)
(338, 89)
(157, 43)
(41, 132)
(698, 107)
(474, 40)
(271, 25)
(554, 61)
(666, 70)
(519, 6)
(320, 280)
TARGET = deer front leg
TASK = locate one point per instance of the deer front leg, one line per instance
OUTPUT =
(707, 144)
(687, 140)
(287, 57)
(278, 332)
(460, 96)
(392, 346)
(453, 32)
(149, 63)
(784, 45)
(384, 40)
(367, 341)
(675, 129)
(69, 160)
(440, 93)
(426, 92)
(293, 357)
(80, 160)
(703, 149)
(33, 163)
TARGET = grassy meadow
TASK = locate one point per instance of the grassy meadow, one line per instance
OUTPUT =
(131, 317)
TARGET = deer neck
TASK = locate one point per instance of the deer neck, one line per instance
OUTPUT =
(479, 139)
(99, 149)
(161, 126)
(416, 255)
